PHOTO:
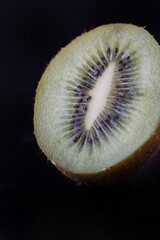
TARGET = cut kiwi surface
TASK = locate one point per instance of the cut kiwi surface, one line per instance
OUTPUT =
(97, 106)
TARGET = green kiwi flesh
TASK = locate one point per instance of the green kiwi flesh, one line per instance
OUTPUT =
(97, 108)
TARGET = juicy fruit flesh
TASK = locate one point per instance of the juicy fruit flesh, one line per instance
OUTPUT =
(56, 98)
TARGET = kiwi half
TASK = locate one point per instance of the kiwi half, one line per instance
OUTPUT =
(97, 106)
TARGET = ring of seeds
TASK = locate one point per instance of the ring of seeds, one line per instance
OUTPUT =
(116, 109)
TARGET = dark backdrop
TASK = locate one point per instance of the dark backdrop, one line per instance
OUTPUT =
(36, 201)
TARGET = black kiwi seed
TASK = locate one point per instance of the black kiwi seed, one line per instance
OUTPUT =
(76, 138)
(86, 85)
(115, 52)
(112, 121)
(108, 51)
(78, 94)
(104, 61)
(102, 123)
(84, 108)
(76, 125)
(99, 129)
(88, 99)
(72, 121)
(76, 111)
(83, 138)
(95, 134)
(76, 106)
(95, 71)
(78, 88)
(101, 67)
(89, 140)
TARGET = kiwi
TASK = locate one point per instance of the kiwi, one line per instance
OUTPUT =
(97, 108)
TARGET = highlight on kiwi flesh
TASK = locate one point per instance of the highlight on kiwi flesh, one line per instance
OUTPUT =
(97, 106)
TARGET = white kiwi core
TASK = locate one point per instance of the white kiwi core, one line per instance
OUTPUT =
(99, 95)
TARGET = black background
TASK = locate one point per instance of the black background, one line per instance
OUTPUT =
(36, 201)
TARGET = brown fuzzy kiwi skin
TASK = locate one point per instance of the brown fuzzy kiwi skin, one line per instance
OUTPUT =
(122, 171)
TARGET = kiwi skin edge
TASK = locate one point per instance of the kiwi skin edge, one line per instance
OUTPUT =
(123, 170)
